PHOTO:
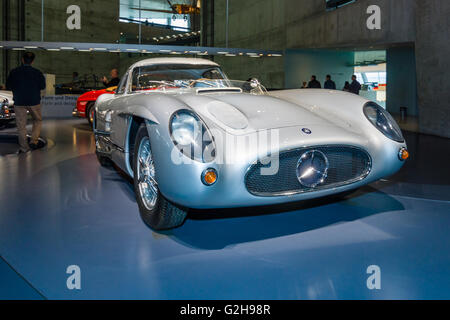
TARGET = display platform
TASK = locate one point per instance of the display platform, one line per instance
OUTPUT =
(60, 209)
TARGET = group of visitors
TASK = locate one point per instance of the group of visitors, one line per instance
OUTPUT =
(353, 87)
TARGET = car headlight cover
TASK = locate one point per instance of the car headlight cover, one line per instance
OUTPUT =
(191, 136)
(383, 121)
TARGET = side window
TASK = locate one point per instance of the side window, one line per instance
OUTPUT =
(122, 85)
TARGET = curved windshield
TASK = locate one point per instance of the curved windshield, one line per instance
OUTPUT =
(144, 77)
(202, 78)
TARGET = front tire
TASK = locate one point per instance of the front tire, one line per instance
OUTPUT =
(90, 113)
(156, 211)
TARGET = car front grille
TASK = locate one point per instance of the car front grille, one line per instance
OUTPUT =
(347, 165)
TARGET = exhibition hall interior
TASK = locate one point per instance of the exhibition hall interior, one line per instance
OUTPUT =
(224, 150)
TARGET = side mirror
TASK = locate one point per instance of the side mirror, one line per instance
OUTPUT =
(255, 83)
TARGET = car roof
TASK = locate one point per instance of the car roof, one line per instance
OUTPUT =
(156, 61)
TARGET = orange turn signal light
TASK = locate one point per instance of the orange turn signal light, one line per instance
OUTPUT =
(403, 154)
(209, 177)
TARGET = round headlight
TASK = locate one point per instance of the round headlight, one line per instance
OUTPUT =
(383, 121)
(191, 136)
(185, 128)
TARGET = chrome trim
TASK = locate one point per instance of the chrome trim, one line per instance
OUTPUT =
(146, 176)
(327, 187)
(323, 174)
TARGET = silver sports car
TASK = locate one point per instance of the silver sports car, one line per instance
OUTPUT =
(6, 107)
(192, 138)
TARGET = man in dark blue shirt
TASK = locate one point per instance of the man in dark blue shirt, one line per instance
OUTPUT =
(26, 84)
(355, 86)
(329, 84)
(314, 84)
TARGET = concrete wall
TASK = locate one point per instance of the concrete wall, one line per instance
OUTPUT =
(401, 80)
(432, 54)
(302, 64)
(99, 23)
(309, 25)
(305, 24)
(256, 24)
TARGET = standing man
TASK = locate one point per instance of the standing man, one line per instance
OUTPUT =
(26, 84)
(329, 84)
(355, 86)
(314, 84)
(115, 80)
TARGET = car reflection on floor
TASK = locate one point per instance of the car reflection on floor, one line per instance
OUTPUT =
(60, 208)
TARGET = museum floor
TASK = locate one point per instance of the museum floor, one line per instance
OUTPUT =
(60, 208)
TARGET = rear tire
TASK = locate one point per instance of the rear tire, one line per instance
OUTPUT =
(155, 210)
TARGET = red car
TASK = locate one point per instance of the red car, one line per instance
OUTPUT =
(86, 102)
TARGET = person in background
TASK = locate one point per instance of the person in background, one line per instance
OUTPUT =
(26, 83)
(355, 86)
(114, 82)
(314, 84)
(2, 87)
(75, 77)
(305, 85)
(329, 84)
(346, 87)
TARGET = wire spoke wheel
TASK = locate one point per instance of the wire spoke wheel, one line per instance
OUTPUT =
(148, 187)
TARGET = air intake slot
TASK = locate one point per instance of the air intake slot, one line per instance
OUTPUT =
(214, 90)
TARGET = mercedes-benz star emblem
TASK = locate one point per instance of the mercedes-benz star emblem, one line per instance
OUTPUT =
(306, 130)
(312, 168)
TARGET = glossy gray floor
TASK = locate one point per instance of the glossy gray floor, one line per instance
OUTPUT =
(59, 208)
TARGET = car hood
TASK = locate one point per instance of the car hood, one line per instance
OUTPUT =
(249, 113)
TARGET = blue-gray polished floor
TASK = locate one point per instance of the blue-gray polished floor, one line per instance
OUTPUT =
(59, 208)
